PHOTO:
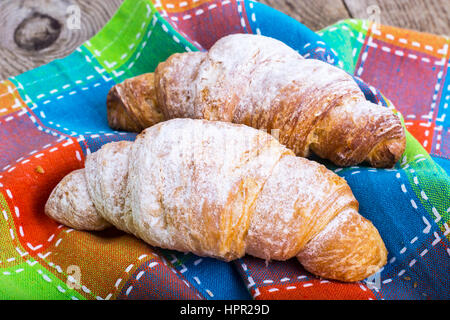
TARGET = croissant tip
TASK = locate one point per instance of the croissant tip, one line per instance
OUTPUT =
(387, 153)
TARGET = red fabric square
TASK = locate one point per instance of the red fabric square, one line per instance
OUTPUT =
(407, 77)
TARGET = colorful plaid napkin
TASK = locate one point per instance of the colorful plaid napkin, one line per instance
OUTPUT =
(53, 116)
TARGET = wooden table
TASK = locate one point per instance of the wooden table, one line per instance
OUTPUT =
(34, 32)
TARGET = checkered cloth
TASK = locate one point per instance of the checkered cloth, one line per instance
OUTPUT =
(53, 116)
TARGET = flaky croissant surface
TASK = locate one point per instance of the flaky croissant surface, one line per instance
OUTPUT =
(222, 190)
(261, 82)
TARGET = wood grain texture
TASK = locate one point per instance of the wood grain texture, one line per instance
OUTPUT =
(313, 14)
(35, 32)
(432, 16)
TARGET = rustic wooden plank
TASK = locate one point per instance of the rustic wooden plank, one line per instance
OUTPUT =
(35, 32)
(432, 16)
(315, 14)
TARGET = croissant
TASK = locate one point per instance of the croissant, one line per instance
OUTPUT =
(222, 190)
(261, 82)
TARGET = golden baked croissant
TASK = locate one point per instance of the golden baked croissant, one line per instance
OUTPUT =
(222, 190)
(263, 83)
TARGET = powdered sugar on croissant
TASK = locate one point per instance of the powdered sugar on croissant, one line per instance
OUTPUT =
(223, 190)
(261, 82)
